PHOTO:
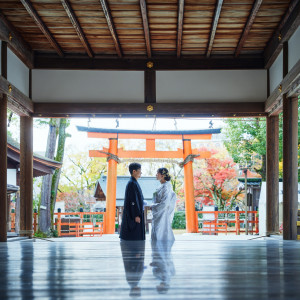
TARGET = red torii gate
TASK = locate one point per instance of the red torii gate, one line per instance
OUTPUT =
(113, 153)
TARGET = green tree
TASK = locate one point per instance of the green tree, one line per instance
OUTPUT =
(82, 172)
(245, 138)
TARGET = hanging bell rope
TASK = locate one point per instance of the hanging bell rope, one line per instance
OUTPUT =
(111, 156)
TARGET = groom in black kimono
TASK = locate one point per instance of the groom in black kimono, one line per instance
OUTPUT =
(133, 225)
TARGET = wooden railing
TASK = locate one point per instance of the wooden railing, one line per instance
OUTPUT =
(93, 223)
(226, 222)
(86, 223)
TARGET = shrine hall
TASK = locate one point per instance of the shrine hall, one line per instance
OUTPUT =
(152, 59)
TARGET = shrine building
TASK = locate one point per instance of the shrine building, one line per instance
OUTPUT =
(152, 59)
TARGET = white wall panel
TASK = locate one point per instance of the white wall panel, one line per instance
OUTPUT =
(276, 72)
(17, 73)
(294, 48)
(211, 86)
(88, 86)
(12, 176)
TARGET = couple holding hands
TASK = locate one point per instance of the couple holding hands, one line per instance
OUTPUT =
(133, 225)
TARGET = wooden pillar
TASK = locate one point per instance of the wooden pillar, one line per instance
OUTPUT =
(150, 86)
(26, 176)
(272, 175)
(111, 188)
(189, 189)
(3, 168)
(290, 167)
(3, 149)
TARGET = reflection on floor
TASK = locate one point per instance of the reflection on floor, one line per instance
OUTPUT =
(186, 269)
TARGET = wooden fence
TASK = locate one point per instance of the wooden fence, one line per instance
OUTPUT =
(214, 222)
(78, 224)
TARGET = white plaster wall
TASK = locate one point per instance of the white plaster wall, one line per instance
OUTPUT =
(17, 73)
(262, 208)
(12, 176)
(276, 72)
(211, 86)
(294, 48)
(88, 86)
(263, 203)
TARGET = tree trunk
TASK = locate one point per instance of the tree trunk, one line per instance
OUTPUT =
(44, 207)
(62, 135)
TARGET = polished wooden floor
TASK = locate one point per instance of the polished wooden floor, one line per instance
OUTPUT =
(188, 269)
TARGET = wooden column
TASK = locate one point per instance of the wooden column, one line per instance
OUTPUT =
(189, 189)
(290, 167)
(26, 176)
(3, 149)
(150, 86)
(111, 188)
(272, 175)
(3, 167)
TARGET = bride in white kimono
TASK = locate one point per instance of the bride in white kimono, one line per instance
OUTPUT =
(163, 208)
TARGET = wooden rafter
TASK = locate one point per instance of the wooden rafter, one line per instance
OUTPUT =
(285, 30)
(67, 6)
(143, 5)
(33, 13)
(15, 42)
(248, 26)
(111, 26)
(214, 27)
(180, 27)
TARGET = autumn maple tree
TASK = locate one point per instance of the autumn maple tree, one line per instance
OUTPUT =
(215, 181)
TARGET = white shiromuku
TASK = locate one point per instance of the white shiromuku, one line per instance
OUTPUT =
(163, 212)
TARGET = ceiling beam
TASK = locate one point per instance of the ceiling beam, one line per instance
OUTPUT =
(248, 26)
(214, 27)
(134, 110)
(285, 30)
(17, 101)
(146, 26)
(70, 12)
(139, 64)
(111, 26)
(180, 27)
(33, 13)
(15, 42)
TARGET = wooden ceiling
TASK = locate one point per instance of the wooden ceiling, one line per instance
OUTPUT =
(148, 28)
